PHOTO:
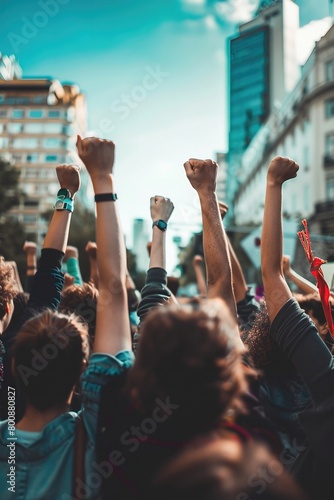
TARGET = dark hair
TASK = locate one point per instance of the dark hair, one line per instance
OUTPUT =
(191, 355)
(81, 300)
(49, 352)
(312, 302)
(219, 469)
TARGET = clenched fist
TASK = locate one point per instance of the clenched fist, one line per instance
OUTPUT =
(161, 208)
(69, 177)
(202, 174)
(281, 169)
(98, 155)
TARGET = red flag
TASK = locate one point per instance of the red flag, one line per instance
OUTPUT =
(315, 268)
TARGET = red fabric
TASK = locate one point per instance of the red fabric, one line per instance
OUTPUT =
(315, 267)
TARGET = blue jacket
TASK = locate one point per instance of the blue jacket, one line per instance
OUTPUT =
(44, 468)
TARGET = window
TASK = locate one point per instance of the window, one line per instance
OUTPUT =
(329, 108)
(329, 146)
(25, 142)
(29, 219)
(33, 128)
(54, 114)
(18, 113)
(36, 113)
(15, 128)
(53, 128)
(330, 71)
(51, 158)
(32, 172)
(32, 158)
(53, 142)
(3, 142)
(3, 113)
(31, 203)
(330, 189)
(40, 99)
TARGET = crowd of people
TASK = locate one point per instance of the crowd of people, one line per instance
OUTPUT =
(108, 393)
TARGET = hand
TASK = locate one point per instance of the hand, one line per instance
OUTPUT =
(202, 174)
(68, 280)
(286, 264)
(69, 177)
(71, 252)
(161, 208)
(91, 249)
(30, 247)
(197, 260)
(98, 155)
(223, 208)
(281, 169)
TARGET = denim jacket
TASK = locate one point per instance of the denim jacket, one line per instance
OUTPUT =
(44, 469)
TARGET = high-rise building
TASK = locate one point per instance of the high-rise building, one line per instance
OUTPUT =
(9, 68)
(140, 240)
(303, 129)
(263, 69)
(221, 176)
(39, 121)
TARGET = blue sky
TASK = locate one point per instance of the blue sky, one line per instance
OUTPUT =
(111, 49)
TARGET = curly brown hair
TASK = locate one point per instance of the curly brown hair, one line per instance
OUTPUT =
(190, 354)
(8, 286)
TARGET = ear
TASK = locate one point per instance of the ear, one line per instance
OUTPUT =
(84, 365)
(323, 329)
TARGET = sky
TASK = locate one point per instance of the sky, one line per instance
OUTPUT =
(154, 73)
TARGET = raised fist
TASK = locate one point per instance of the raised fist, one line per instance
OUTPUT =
(69, 177)
(161, 208)
(282, 169)
(202, 174)
(98, 155)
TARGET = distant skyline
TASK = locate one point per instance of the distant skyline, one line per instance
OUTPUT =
(155, 77)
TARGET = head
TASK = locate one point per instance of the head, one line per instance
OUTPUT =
(313, 307)
(49, 354)
(8, 290)
(81, 300)
(224, 469)
(190, 354)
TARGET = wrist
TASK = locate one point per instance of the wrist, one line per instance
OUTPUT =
(273, 183)
(102, 181)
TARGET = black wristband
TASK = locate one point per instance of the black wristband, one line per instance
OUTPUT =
(105, 197)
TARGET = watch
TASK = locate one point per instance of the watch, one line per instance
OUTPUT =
(64, 193)
(64, 204)
(161, 224)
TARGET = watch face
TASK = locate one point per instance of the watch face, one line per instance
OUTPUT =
(63, 192)
(162, 225)
(59, 205)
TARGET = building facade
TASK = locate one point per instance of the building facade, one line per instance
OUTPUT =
(303, 129)
(263, 69)
(39, 121)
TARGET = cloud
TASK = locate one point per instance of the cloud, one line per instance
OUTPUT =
(308, 35)
(235, 11)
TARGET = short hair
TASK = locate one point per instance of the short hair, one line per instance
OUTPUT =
(81, 300)
(190, 354)
(49, 352)
(8, 286)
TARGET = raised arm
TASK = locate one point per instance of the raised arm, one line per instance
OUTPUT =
(155, 292)
(112, 322)
(198, 261)
(49, 279)
(304, 285)
(202, 175)
(276, 290)
(91, 249)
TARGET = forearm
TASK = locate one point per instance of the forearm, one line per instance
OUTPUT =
(158, 249)
(239, 283)
(304, 285)
(57, 234)
(276, 289)
(201, 284)
(217, 259)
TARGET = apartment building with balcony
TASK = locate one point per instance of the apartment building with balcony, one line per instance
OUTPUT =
(39, 121)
